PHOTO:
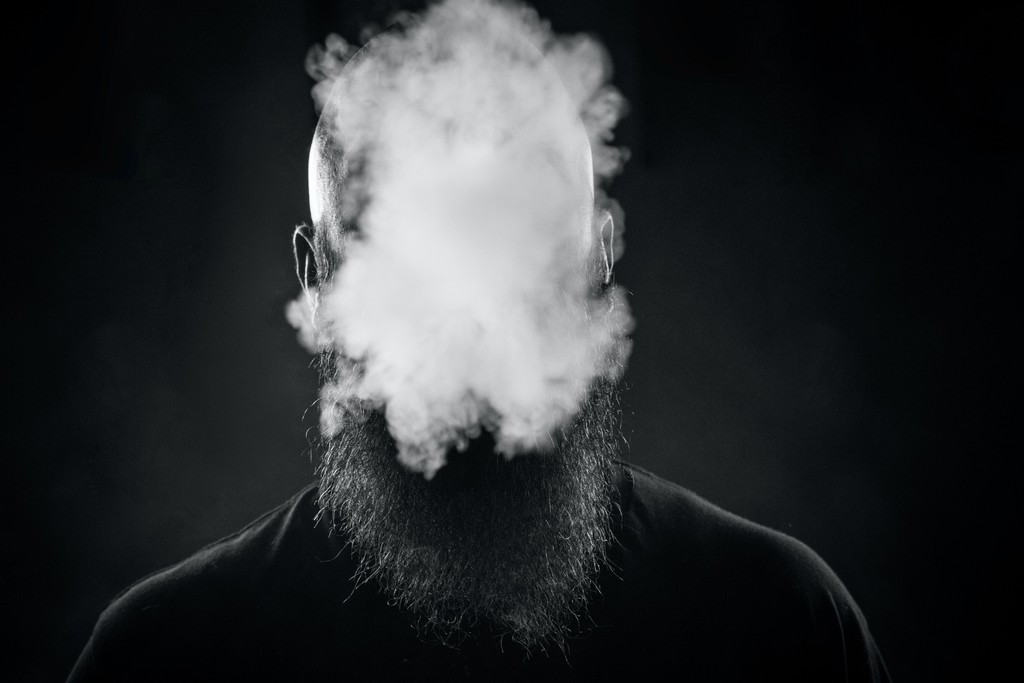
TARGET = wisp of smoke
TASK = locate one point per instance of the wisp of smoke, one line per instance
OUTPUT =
(474, 289)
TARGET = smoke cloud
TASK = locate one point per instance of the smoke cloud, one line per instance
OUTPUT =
(474, 238)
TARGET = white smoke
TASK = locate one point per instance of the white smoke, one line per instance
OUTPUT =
(473, 138)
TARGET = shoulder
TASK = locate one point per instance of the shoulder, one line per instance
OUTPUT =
(742, 582)
(229, 567)
(677, 525)
(212, 597)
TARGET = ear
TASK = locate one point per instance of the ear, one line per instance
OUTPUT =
(606, 234)
(305, 257)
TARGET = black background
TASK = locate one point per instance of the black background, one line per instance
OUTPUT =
(819, 211)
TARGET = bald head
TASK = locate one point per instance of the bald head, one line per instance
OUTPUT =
(464, 129)
(452, 192)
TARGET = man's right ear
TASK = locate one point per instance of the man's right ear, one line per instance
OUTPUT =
(305, 258)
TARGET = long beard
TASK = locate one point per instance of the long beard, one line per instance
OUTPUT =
(509, 547)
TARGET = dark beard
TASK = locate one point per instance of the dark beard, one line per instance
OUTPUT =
(489, 545)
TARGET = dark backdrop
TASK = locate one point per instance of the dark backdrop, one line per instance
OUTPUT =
(818, 207)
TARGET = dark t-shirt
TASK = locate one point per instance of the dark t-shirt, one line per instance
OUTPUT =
(696, 593)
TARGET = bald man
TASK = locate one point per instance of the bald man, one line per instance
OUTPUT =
(495, 555)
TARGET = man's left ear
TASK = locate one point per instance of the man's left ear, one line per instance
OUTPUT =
(305, 258)
(605, 230)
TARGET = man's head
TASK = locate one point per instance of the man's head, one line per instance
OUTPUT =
(468, 349)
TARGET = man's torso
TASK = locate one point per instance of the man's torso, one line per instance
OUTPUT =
(688, 588)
